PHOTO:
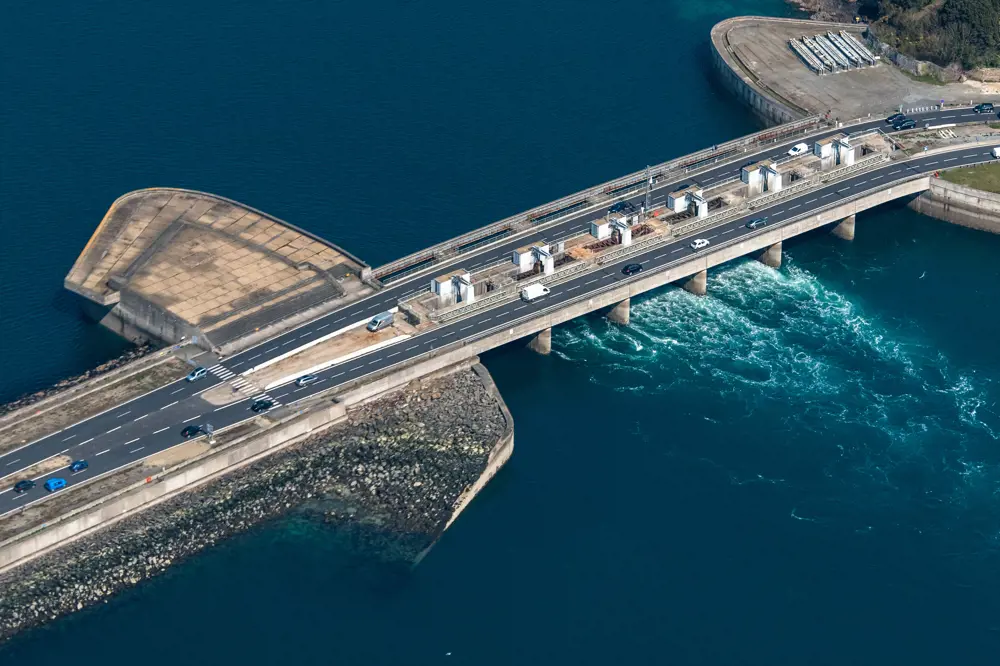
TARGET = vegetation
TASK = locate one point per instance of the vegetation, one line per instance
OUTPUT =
(941, 31)
(985, 177)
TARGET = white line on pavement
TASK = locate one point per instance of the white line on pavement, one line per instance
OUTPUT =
(177, 391)
(86, 442)
(131, 441)
(102, 452)
(113, 429)
(69, 438)
(140, 418)
(138, 449)
(191, 419)
(123, 414)
(15, 461)
(170, 405)
(157, 432)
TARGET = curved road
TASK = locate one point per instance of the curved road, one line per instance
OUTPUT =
(152, 423)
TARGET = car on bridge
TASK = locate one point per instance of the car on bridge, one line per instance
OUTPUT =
(631, 269)
(894, 118)
(196, 374)
(306, 380)
(798, 149)
(261, 405)
(23, 486)
(985, 107)
(190, 431)
(757, 223)
(79, 466)
(699, 244)
(55, 484)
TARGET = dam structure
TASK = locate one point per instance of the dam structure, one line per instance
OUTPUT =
(179, 266)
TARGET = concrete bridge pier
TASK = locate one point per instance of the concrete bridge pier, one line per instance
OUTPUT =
(620, 313)
(845, 229)
(542, 342)
(697, 284)
(771, 256)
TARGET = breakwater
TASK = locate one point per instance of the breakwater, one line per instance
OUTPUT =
(63, 385)
(394, 474)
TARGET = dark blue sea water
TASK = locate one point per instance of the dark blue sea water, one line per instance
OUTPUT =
(801, 468)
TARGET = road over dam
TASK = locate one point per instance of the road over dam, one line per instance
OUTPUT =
(153, 422)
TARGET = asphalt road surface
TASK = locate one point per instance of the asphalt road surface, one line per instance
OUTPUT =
(153, 422)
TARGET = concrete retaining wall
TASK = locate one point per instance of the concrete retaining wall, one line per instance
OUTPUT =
(961, 205)
(766, 104)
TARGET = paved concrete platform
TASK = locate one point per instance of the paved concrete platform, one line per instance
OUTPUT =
(209, 263)
(758, 48)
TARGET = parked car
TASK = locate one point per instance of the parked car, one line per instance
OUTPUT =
(894, 118)
(699, 244)
(904, 124)
(55, 484)
(197, 374)
(261, 405)
(380, 321)
(23, 486)
(798, 149)
(190, 431)
(79, 466)
(631, 269)
(985, 107)
(757, 223)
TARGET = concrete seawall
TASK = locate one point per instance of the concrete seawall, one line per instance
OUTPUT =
(769, 106)
(235, 455)
(960, 205)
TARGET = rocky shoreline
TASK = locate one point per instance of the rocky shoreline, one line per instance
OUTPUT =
(104, 368)
(843, 11)
(389, 476)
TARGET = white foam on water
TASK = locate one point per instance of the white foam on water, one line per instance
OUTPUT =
(785, 341)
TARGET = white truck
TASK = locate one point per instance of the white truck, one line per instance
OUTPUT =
(533, 291)
(996, 153)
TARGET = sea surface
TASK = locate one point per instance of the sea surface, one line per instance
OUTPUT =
(801, 468)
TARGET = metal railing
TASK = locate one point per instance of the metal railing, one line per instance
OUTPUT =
(524, 220)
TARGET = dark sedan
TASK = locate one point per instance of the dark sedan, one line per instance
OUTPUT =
(190, 431)
(894, 118)
(631, 269)
(24, 486)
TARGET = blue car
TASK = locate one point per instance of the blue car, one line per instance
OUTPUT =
(196, 374)
(55, 484)
(79, 466)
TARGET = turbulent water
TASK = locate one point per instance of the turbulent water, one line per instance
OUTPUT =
(802, 467)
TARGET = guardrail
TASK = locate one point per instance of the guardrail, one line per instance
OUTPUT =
(509, 292)
(681, 164)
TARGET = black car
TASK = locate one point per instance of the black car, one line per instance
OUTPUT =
(904, 124)
(756, 223)
(191, 431)
(895, 118)
(261, 405)
(24, 486)
(631, 269)
(985, 107)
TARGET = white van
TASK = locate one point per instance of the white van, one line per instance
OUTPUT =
(533, 291)
(380, 321)
(996, 153)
